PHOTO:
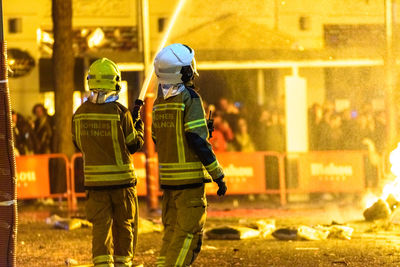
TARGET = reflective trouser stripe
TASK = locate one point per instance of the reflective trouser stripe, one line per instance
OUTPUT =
(185, 248)
(103, 261)
(160, 261)
(123, 261)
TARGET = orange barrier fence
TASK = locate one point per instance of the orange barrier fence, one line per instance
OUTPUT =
(330, 172)
(36, 172)
(246, 173)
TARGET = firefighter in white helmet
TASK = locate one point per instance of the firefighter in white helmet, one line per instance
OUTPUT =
(186, 159)
(103, 130)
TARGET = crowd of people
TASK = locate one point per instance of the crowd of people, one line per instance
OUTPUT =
(346, 130)
(237, 128)
(33, 135)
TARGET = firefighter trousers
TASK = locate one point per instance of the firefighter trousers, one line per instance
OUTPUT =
(114, 214)
(183, 216)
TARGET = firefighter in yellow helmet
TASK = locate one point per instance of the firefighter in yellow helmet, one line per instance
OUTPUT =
(186, 159)
(104, 131)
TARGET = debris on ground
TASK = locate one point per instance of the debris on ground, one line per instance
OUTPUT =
(70, 262)
(285, 234)
(67, 223)
(145, 226)
(148, 226)
(260, 228)
(312, 234)
(378, 211)
(232, 233)
(337, 231)
(316, 233)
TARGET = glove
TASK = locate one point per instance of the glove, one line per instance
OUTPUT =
(139, 125)
(221, 188)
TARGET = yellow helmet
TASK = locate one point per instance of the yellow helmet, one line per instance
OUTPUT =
(104, 75)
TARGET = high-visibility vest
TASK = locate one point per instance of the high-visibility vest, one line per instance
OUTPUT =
(103, 133)
(179, 129)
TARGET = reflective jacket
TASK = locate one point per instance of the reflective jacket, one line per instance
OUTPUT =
(106, 136)
(179, 129)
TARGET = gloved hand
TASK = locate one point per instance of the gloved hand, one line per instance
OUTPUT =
(221, 188)
(139, 125)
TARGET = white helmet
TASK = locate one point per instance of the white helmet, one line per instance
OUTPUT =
(175, 64)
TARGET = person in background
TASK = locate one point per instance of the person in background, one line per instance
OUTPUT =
(42, 129)
(23, 134)
(222, 134)
(242, 141)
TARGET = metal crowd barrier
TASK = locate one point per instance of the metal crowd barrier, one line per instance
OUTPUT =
(40, 177)
(246, 173)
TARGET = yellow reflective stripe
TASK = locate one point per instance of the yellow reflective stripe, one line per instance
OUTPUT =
(97, 116)
(172, 106)
(109, 168)
(108, 177)
(103, 259)
(123, 261)
(160, 261)
(179, 138)
(212, 166)
(181, 166)
(104, 265)
(183, 253)
(78, 133)
(130, 137)
(117, 149)
(195, 124)
(180, 176)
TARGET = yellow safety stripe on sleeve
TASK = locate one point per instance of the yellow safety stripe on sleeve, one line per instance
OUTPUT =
(212, 166)
(181, 176)
(181, 166)
(120, 261)
(117, 149)
(179, 138)
(109, 168)
(170, 106)
(130, 137)
(108, 177)
(195, 124)
(183, 253)
(97, 116)
(103, 259)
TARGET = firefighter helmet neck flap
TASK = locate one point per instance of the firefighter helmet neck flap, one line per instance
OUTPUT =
(174, 65)
(104, 80)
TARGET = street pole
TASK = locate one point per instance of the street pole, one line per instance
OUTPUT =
(389, 67)
(8, 179)
(151, 164)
